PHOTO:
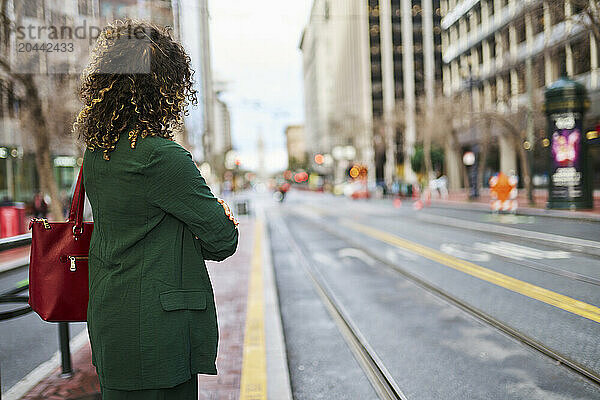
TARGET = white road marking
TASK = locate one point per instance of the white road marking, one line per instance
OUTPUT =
(518, 252)
(393, 253)
(458, 250)
(325, 259)
(358, 254)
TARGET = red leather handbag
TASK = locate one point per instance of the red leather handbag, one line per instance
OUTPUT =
(58, 266)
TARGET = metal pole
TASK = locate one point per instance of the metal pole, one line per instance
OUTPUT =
(408, 64)
(473, 169)
(530, 127)
(387, 70)
(65, 351)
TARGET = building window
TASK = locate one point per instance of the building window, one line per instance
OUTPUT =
(479, 51)
(477, 16)
(577, 6)
(520, 30)
(416, 10)
(492, 45)
(537, 21)
(557, 11)
(31, 8)
(85, 7)
(581, 56)
(559, 60)
(58, 18)
(539, 72)
(522, 86)
(490, 8)
(13, 104)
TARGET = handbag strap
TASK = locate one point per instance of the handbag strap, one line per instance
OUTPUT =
(76, 212)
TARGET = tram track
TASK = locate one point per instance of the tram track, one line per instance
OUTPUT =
(574, 366)
(531, 264)
(381, 379)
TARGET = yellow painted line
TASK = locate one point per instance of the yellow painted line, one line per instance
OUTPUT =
(253, 384)
(527, 289)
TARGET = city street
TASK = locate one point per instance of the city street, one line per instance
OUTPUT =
(300, 200)
(447, 311)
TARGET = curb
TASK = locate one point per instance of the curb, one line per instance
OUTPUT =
(278, 376)
(527, 211)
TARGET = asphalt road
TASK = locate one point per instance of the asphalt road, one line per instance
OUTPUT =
(26, 341)
(434, 349)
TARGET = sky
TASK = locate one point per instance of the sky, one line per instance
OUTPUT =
(255, 54)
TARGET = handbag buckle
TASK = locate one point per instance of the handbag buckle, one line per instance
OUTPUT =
(77, 231)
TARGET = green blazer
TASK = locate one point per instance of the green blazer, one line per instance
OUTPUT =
(151, 314)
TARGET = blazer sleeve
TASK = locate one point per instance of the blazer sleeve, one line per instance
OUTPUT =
(176, 186)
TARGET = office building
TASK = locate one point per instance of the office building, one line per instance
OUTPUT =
(487, 45)
(296, 146)
(367, 63)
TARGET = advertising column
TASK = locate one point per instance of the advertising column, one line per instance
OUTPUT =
(566, 103)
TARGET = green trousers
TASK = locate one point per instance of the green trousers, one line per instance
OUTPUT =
(185, 391)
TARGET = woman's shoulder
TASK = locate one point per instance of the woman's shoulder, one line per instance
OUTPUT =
(144, 150)
(157, 144)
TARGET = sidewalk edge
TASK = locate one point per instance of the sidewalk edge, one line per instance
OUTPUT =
(278, 376)
(43, 370)
(529, 211)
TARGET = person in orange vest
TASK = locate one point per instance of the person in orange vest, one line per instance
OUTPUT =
(503, 189)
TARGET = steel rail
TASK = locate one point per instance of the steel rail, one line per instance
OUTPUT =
(581, 370)
(380, 378)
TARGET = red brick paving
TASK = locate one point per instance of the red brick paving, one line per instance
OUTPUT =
(83, 383)
(230, 282)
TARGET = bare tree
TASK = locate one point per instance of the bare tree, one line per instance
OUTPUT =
(33, 117)
(441, 123)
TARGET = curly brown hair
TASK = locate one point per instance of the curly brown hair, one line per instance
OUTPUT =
(139, 81)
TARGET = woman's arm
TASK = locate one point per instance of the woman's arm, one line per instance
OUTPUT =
(176, 186)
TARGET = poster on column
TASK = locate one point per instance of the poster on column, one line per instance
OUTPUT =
(566, 175)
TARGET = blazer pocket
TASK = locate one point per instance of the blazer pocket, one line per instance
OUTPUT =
(182, 299)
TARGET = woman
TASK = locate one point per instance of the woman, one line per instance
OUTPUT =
(151, 313)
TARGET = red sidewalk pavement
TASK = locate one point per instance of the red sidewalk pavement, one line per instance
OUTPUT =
(230, 282)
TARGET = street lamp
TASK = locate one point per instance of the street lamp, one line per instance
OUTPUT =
(472, 167)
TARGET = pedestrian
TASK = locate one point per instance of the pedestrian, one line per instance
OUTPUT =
(151, 313)
(40, 207)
